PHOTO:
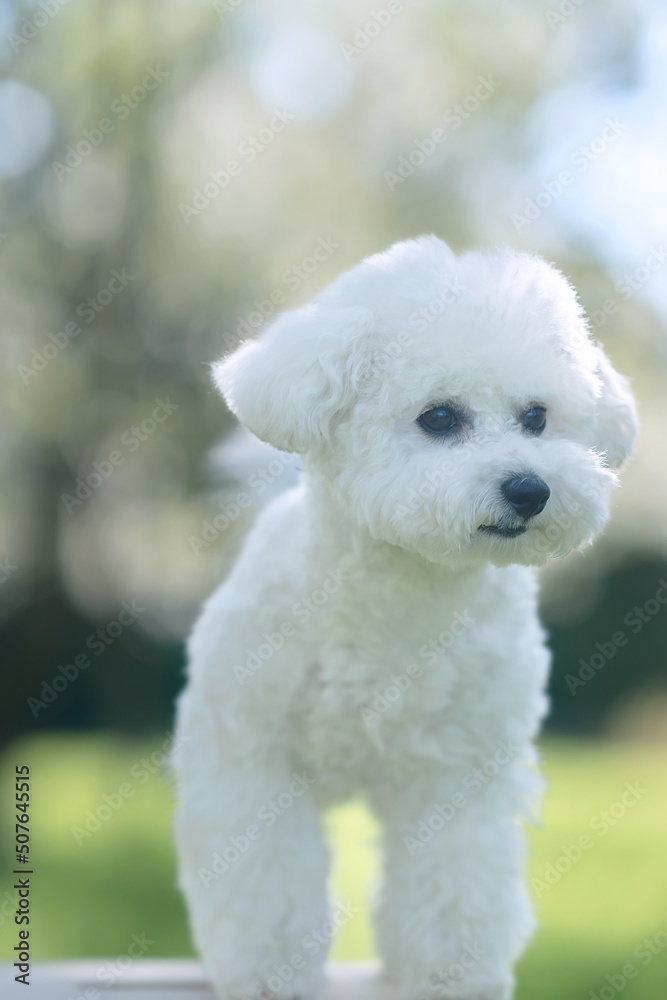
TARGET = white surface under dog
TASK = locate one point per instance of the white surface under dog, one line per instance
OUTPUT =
(379, 631)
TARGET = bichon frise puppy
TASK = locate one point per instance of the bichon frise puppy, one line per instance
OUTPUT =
(379, 631)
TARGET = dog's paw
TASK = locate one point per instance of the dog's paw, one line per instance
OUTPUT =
(439, 989)
(491, 993)
(263, 995)
(502, 993)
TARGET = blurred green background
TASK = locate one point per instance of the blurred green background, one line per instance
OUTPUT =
(126, 267)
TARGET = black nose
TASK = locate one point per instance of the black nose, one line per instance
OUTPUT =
(527, 494)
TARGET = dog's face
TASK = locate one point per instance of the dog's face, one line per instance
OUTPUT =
(455, 406)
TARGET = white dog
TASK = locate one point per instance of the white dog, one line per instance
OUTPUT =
(379, 631)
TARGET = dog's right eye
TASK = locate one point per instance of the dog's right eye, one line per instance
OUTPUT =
(535, 419)
(439, 420)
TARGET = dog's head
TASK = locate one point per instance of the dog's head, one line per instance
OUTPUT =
(456, 407)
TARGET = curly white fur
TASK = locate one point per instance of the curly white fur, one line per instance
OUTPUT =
(372, 637)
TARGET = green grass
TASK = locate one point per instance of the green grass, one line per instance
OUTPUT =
(89, 898)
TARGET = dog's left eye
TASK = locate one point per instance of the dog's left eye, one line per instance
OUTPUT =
(439, 420)
(535, 419)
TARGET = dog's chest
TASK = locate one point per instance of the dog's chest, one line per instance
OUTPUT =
(381, 683)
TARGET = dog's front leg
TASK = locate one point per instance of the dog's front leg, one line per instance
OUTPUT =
(252, 866)
(454, 914)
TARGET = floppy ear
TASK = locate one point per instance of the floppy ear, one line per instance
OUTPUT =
(292, 384)
(617, 414)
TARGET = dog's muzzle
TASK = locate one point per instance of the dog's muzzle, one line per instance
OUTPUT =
(527, 496)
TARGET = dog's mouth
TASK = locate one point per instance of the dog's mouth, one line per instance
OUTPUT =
(502, 531)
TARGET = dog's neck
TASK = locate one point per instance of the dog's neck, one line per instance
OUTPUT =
(342, 540)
